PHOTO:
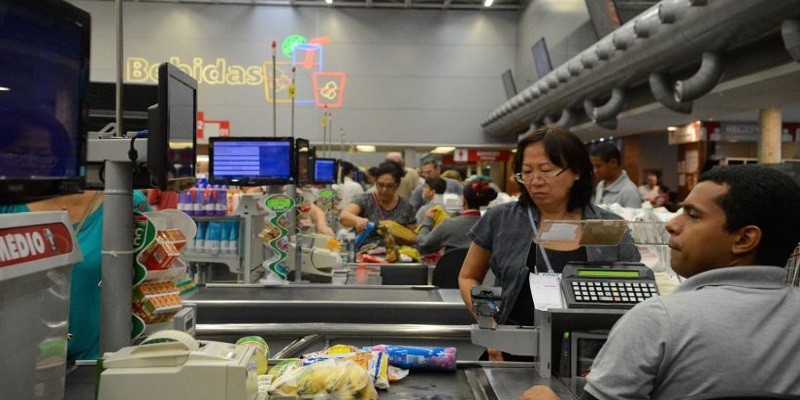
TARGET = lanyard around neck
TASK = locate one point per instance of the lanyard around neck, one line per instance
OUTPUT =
(541, 249)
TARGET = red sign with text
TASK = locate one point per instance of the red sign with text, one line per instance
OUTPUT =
(22, 244)
(476, 155)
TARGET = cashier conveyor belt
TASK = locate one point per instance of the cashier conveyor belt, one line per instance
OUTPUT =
(315, 303)
(479, 381)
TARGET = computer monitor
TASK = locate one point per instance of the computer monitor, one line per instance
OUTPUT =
(44, 69)
(172, 123)
(252, 161)
(325, 170)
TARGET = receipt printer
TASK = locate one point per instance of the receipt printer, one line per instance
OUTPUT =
(180, 370)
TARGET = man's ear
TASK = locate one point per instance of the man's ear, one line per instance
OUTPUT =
(747, 241)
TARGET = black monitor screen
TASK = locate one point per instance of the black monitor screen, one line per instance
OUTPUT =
(44, 68)
(325, 170)
(172, 122)
(251, 161)
(541, 57)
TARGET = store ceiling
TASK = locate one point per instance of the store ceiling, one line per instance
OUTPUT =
(378, 4)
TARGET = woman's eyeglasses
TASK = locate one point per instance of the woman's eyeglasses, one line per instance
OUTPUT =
(548, 176)
(386, 186)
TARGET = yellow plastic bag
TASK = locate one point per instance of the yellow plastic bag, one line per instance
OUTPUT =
(399, 231)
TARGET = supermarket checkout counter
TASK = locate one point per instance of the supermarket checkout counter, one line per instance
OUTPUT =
(301, 303)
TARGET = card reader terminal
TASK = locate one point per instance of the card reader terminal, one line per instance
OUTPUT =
(620, 285)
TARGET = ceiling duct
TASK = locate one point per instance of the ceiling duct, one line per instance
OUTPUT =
(608, 110)
(790, 30)
(703, 81)
(670, 35)
(567, 118)
(662, 91)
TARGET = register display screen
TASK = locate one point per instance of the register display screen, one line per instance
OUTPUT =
(325, 170)
(607, 273)
(252, 161)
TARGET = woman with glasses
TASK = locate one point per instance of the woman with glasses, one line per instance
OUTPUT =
(554, 173)
(382, 204)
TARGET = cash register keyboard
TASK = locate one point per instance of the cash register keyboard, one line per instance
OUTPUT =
(593, 293)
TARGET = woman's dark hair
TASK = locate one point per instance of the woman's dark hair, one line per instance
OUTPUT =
(754, 197)
(389, 167)
(478, 193)
(565, 150)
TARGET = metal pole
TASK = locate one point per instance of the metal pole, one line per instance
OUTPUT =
(298, 251)
(120, 71)
(330, 134)
(274, 92)
(117, 247)
(117, 257)
(341, 143)
(292, 90)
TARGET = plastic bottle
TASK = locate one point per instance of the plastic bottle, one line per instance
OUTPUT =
(221, 202)
(233, 239)
(210, 205)
(200, 237)
(188, 208)
(212, 237)
(199, 199)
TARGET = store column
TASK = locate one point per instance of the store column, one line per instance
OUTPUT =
(769, 142)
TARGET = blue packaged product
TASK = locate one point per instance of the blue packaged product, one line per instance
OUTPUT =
(419, 357)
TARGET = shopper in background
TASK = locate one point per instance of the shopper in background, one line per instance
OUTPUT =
(452, 232)
(555, 177)
(409, 180)
(431, 169)
(162, 199)
(452, 174)
(348, 189)
(432, 191)
(383, 204)
(650, 191)
(614, 185)
(86, 213)
(732, 243)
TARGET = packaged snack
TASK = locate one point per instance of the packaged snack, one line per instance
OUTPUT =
(331, 378)
(414, 357)
(374, 362)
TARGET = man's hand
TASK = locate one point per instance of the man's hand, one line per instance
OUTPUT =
(539, 392)
(494, 354)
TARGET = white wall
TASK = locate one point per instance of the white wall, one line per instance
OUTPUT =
(413, 76)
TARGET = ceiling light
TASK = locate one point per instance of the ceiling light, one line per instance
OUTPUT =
(202, 158)
(487, 3)
(328, 1)
(442, 150)
(365, 148)
(5, 89)
(672, 128)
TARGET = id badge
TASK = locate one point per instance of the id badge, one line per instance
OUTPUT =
(546, 290)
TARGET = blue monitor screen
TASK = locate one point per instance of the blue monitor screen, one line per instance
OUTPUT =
(251, 161)
(325, 170)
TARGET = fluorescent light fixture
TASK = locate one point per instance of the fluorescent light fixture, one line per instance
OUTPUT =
(5, 89)
(442, 150)
(365, 148)
(487, 3)
(328, 1)
(672, 128)
(202, 158)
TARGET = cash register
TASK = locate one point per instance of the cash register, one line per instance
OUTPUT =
(172, 365)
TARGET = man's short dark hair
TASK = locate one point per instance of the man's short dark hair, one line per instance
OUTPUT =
(432, 163)
(607, 152)
(565, 150)
(763, 197)
(437, 184)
